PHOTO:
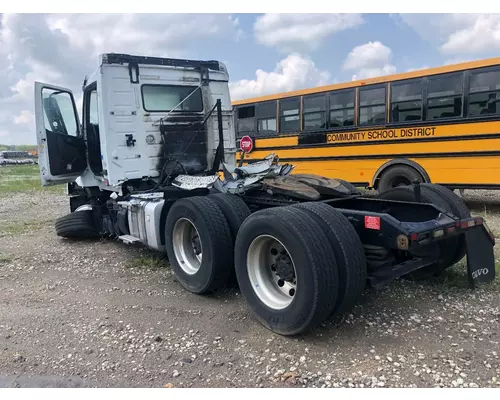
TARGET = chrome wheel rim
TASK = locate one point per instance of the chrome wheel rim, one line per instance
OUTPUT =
(187, 246)
(271, 272)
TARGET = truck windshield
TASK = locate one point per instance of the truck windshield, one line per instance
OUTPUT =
(163, 98)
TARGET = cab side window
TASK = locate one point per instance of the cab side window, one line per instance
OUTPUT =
(59, 113)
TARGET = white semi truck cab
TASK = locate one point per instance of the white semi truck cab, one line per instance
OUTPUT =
(138, 116)
(152, 161)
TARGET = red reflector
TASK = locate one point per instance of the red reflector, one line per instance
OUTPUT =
(414, 236)
(372, 222)
(464, 225)
(451, 229)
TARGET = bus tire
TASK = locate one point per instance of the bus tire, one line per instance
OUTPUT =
(275, 248)
(77, 225)
(448, 249)
(348, 249)
(197, 224)
(398, 175)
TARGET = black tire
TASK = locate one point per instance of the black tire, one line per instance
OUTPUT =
(215, 237)
(234, 208)
(348, 249)
(77, 225)
(349, 186)
(456, 203)
(448, 249)
(315, 268)
(398, 175)
(236, 211)
(459, 209)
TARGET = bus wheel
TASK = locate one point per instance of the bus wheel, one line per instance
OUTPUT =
(286, 270)
(398, 175)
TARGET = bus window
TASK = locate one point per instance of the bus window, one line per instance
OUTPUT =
(313, 113)
(342, 109)
(372, 109)
(484, 93)
(246, 120)
(266, 118)
(444, 97)
(406, 101)
(290, 115)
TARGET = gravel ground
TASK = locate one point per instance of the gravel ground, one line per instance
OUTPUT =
(108, 315)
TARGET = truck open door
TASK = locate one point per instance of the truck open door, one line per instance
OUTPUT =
(61, 146)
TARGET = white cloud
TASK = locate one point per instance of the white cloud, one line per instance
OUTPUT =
(159, 34)
(61, 49)
(366, 73)
(367, 55)
(26, 117)
(293, 72)
(294, 32)
(454, 34)
(417, 69)
(370, 60)
(456, 60)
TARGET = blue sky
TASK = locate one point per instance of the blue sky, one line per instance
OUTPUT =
(265, 53)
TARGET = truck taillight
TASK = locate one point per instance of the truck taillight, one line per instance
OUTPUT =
(467, 224)
(438, 233)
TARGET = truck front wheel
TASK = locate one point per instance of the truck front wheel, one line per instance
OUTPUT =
(78, 225)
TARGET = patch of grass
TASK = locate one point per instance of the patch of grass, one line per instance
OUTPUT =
(5, 258)
(149, 262)
(456, 277)
(24, 178)
(12, 228)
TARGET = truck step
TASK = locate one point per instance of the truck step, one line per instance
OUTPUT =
(129, 239)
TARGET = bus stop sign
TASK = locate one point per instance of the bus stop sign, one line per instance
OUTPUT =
(246, 144)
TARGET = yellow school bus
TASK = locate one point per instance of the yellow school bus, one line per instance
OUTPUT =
(439, 125)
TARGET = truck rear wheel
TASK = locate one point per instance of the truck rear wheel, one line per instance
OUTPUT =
(198, 243)
(459, 208)
(286, 270)
(77, 225)
(236, 211)
(234, 208)
(348, 249)
(449, 249)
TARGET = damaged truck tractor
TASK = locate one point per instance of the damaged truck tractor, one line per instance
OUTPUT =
(153, 161)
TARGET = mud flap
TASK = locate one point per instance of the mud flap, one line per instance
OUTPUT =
(480, 257)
